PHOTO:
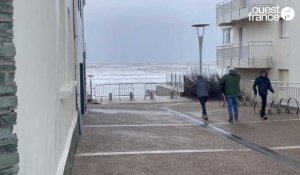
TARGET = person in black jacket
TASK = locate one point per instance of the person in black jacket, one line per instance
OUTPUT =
(264, 84)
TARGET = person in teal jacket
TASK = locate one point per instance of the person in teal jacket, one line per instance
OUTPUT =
(230, 84)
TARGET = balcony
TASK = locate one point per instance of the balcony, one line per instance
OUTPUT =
(231, 11)
(255, 54)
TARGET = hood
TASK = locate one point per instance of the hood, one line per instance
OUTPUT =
(233, 72)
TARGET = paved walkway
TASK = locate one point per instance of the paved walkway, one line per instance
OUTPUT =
(171, 139)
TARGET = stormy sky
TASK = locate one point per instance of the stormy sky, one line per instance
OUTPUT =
(149, 31)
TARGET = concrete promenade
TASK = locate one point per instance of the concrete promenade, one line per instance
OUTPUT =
(156, 139)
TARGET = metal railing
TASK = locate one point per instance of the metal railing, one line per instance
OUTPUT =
(174, 79)
(285, 99)
(286, 84)
(135, 89)
(252, 54)
(232, 10)
(285, 90)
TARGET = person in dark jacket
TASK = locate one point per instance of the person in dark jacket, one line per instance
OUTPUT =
(263, 84)
(202, 89)
(230, 84)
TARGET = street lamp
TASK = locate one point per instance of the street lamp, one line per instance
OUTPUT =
(91, 88)
(200, 40)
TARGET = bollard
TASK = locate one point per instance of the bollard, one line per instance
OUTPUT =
(110, 96)
(131, 96)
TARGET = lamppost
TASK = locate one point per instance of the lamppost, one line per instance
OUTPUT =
(200, 41)
(91, 88)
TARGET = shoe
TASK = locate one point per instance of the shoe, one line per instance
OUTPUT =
(230, 121)
(237, 120)
(264, 117)
(204, 117)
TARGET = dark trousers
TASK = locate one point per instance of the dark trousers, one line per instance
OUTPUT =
(263, 106)
(203, 101)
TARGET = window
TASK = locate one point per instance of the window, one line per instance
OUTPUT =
(227, 35)
(284, 29)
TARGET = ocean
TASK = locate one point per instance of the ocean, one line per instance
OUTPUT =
(140, 73)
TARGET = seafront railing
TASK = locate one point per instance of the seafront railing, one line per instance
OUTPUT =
(136, 89)
(174, 79)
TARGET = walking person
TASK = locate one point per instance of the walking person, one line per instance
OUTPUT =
(230, 84)
(263, 84)
(202, 89)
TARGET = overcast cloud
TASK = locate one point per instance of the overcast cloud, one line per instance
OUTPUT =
(149, 31)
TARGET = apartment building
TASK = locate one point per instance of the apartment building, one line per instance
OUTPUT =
(42, 88)
(250, 45)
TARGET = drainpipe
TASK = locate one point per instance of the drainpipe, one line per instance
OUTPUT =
(76, 62)
(75, 49)
(84, 50)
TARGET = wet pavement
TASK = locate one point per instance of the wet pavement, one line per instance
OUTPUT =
(146, 139)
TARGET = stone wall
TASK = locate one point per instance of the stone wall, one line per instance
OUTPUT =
(9, 157)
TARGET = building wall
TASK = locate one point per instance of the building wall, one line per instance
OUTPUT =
(294, 70)
(285, 50)
(267, 31)
(47, 76)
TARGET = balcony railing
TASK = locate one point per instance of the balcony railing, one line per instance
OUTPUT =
(255, 54)
(230, 11)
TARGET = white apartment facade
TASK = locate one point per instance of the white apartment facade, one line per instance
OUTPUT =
(49, 62)
(251, 46)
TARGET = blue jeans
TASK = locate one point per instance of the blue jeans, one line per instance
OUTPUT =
(232, 101)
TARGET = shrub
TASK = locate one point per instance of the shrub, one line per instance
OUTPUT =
(213, 80)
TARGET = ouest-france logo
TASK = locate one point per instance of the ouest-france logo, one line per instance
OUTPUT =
(271, 13)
